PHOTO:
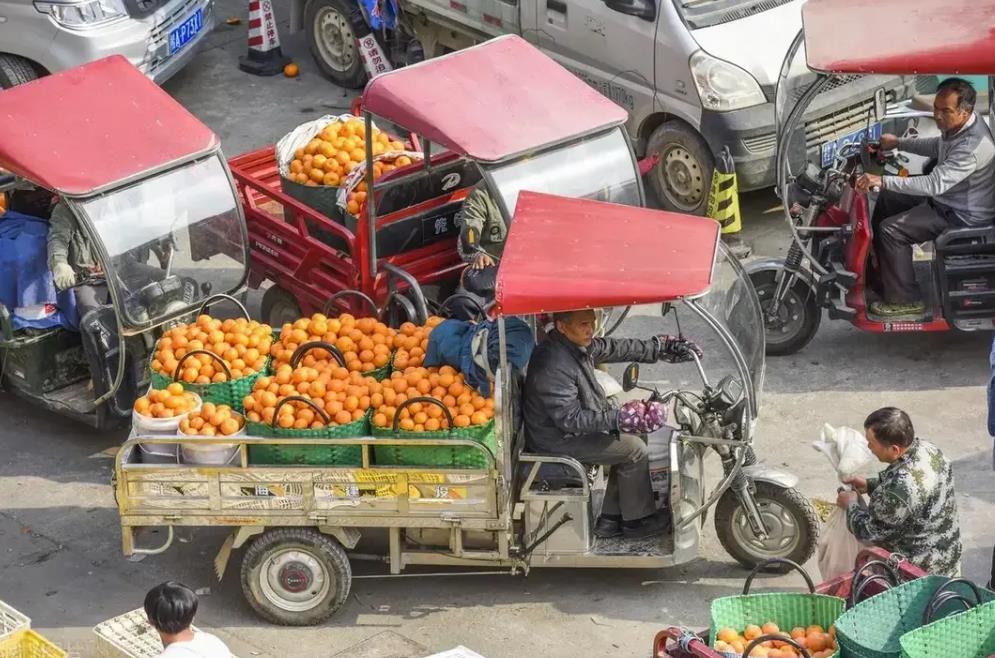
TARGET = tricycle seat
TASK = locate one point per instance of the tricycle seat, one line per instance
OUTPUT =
(551, 475)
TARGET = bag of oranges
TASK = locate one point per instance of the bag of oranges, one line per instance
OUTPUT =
(218, 360)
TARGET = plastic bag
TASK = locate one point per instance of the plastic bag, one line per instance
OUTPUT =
(837, 549)
(846, 449)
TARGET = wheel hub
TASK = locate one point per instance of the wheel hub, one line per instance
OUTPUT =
(683, 178)
(334, 39)
(784, 321)
(783, 531)
(294, 579)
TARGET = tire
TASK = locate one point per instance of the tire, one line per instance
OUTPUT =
(279, 307)
(682, 179)
(15, 70)
(333, 43)
(793, 329)
(278, 561)
(733, 530)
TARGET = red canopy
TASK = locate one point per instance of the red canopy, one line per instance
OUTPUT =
(490, 102)
(565, 254)
(900, 36)
(93, 126)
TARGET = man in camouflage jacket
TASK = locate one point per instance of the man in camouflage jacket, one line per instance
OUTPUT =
(912, 508)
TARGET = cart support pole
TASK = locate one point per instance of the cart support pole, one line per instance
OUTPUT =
(371, 201)
(395, 550)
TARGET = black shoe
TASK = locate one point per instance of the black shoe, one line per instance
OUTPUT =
(608, 526)
(648, 526)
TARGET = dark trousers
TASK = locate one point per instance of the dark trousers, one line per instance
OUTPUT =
(91, 298)
(629, 493)
(902, 221)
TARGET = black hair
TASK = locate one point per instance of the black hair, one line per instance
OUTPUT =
(35, 202)
(892, 426)
(171, 607)
(966, 95)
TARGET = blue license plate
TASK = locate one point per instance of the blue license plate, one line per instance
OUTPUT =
(186, 31)
(830, 149)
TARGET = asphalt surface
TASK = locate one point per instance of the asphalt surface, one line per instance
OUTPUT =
(60, 554)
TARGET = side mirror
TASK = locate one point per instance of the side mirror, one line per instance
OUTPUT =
(880, 104)
(644, 9)
(630, 378)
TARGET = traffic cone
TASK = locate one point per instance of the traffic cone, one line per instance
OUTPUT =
(265, 56)
(723, 203)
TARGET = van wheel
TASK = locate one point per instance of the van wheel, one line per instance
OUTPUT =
(15, 70)
(333, 42)
(279, 307)
(682, 178)
(295, 576)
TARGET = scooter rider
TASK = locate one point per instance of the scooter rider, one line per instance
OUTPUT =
(566, 412)
(958, 192)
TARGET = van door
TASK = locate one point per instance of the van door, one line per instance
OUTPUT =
(610, 50)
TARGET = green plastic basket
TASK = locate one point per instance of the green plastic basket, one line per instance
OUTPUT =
(873, 628)
(967, 635)
(231, 393)
(323, 455)
(786, 609)
(440, 457)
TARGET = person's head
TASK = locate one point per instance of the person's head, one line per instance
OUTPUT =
(953, 104)
(34, 202)
(577, 326)
(889, 433)
(170, 607)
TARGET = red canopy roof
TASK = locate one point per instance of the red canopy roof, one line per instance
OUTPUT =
(565, 254)
(900, 36)
(93, 126)
(496, 100)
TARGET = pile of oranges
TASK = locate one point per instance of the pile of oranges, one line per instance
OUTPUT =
(411, 343)
(242, 344)
(355, 199)
(212, 420)
(170, 402)
(445, 384)
(815, 640)
(365, 343)
(342, 394)
(334, 152)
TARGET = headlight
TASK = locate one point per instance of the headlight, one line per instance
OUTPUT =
(723, 86)
(88, 13)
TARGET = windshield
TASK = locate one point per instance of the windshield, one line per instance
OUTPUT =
(599, 167)
(171, 240)
(706, 13)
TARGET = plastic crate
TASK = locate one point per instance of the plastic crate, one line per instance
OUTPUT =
(12, 620)
(26, 643)
(128, 636)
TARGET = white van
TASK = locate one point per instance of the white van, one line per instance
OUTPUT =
(44, 36)
(694, 75)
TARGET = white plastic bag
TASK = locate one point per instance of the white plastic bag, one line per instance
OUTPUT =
(837, 549)
(846, 449)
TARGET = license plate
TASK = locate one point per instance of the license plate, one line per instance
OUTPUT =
(186, 31)
(830, 149)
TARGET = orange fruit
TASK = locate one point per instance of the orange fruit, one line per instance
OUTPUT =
(814, 628)
(816, 641)
(291, 70)
(462, 421)
(727, 635)
(478, 418)
(770, 628)
(797, 632)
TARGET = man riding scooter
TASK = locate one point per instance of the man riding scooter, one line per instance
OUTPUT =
(959, 191)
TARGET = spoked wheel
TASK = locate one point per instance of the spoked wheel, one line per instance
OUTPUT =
(295, 576)
(790, 518)
(793, 324)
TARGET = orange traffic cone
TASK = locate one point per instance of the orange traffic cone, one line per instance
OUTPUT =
(265, 56)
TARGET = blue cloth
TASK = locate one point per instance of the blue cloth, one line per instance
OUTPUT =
(382, 13)
(451, 343)
(25, 279)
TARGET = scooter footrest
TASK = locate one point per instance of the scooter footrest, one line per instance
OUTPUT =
(840, 311)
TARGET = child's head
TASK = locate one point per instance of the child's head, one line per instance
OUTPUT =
(171, 607)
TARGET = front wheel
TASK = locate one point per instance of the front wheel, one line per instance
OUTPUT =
(797, 318)
(790, 518)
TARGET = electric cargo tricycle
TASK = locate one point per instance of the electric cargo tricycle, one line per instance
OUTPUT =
(151, 193)
(515, 510)
(831, 263)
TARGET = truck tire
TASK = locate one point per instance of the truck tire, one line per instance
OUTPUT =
(682, 178)
(295, 576)
(332, 40)
(15, 70)
(279, 307)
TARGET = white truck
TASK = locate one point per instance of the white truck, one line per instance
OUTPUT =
(694, 75)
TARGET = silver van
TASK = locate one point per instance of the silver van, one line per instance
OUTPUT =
(44, 36)
(694, 75)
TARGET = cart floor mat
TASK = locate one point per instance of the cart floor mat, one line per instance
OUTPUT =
(77, 397)
(652, 547)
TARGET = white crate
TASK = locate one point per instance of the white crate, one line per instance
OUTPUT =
(128, 636)
(11, 620)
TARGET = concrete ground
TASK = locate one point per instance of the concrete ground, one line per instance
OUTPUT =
(60, 559)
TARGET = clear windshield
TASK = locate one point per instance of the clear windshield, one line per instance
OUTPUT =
(599, 167)
(172, 241)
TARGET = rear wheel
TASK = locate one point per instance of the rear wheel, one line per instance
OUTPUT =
(279, 307)
(15, 70)
(797, 318)
(791, 519)
(333, 42)
(682, 178)
(295, 576)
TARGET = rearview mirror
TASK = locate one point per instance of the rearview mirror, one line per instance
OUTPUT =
(644, 9)
(880, 104)
(630, 378)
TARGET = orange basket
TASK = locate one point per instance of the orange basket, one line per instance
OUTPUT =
(27, 643)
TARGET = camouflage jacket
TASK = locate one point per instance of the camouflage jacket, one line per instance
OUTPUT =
(912, 510)
(481, 213)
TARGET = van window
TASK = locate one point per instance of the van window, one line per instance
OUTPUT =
(706, 13)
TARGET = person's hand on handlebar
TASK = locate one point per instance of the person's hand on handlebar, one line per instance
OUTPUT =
(481, 260)
(676, 349)
(868, 181)
(63, 276)
(888, 142)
